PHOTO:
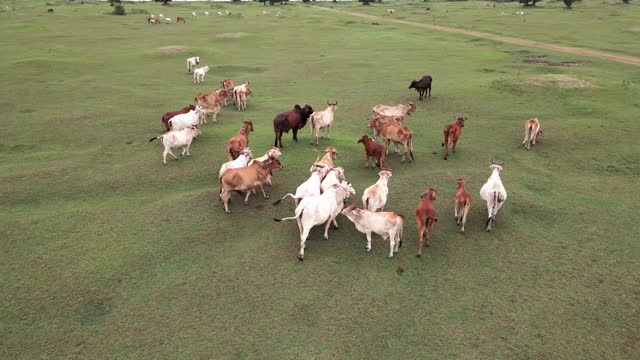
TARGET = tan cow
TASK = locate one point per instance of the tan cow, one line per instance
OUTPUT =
(395, 110)
(211, 102)
(463, 203)
(245, 179)
(396, 133)
(386, 224)
(532, 133)
(239, 141)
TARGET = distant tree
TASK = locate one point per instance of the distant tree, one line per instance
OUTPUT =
(118, 10)
(626, 1)
(568, 3)
(527, 3)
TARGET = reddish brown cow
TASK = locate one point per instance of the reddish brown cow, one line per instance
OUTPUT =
(294, 119)
(372, 150)
(451, 135)
(180, 18)
(228, 84)
(463, 203)
(425, 217)
(167, 116)
(239, 141)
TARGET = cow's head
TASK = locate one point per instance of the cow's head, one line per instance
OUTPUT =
(347, 188)
(385, 172)
(332, 105)
(191, 107)
(430, 193)
(413, 84)
(274, 153)
(364, 139)
(246, 152)
(339, 173)
(351, 211)
(331, 150)
(412, 107)
(248, 125)
(496, 165)
(197, 60)
(539, 136)
(460, 121)
(460, 182)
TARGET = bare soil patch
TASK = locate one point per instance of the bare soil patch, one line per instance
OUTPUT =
(573, 63)
(562, 81)
(232, 35)
(170, 50)
(635, 29)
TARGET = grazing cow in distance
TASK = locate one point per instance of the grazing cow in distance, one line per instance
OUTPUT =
(374, 197)
(167, 116)
(320, 209)
(463, 203)
(532, 133)
(294, 120)
(395, 110)
(386, 224)
(192, 61)
(372, 151)
(167, 20)
(50, 10)
(198, 74)
(425, 217)
(180, 18)
(452, 133)
(422, 86)
(178, 138)
(391, 11)
(239, 141)
(323, 120)
(493, 192)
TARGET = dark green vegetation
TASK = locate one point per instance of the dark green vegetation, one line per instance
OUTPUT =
(107, 253)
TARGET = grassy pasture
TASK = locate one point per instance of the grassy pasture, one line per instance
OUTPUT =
(107, 253)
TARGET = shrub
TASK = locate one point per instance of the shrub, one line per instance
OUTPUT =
(118, 10)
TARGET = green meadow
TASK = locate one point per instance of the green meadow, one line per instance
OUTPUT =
(109, 254)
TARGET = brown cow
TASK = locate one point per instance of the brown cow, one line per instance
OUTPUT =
(167, 116)
(452, 133)
(372, 150)
(294, 120)
(211, 102)
(463, 203)
(532, 133)
(396, 133)
(181, 18)
(425, 217)
(239, 141)
(244, 179)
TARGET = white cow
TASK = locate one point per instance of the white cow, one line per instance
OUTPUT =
(193, 13)
(332, 177)
(322, 120)
(206, 13)
(386, 224)
(395, 110)
(173, 139)
(311, 187)
(182, 121)
(192, 62)
(321, 209)
(532, 133)
(374, 197)
(241, 161)
(167, 20)
(493, 192)
(198, 74)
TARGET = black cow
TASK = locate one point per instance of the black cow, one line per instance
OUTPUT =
(422, 86)
(294, 119)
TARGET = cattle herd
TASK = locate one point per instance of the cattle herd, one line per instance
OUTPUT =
(322, 196)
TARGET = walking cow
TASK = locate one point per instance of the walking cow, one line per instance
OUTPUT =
(422, 86)
(493, 192)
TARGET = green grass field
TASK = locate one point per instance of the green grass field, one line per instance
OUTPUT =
(109, 254)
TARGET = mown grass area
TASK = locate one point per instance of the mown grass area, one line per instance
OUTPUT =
(605, 25)
(107, 253)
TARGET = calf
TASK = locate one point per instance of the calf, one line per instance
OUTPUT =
(374, 197)
(463, 203)
(244, 179)
(179, 138)
(239, 141)
(198, 74)
(192, 61)
(320, 209)
(452, 133)
(167, 116)
(294, 120)
(494, 193)
(241, 99)
(532, 133)
(422, 86)
(323, 120)
(425, 217)
(241, 161)
(311, 187)
(386, 224)
(180, 18)
(372, 151)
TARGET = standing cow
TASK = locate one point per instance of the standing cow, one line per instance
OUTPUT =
(422, 86)
(294, 119)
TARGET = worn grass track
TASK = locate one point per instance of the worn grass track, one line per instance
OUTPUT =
(108, 254)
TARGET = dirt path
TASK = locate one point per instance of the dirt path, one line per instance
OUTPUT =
(567, 49)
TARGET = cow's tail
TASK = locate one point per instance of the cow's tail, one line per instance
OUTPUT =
(495, 203)
(288, 194)
(285, 219)
(401, 230)
(153, 138)
(411, 146)
(366, 204)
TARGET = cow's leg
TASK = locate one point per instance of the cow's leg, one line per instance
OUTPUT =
(326, 229)
(465, 211)
(225, 198)
(368, 247)
(264, 194)
(446, 150)
(164, 155)
(311, 136)
(453, 148)
(303, 240)
(392, 242)
(455, 212)
(489, 216)
(420, 223)
(429, 229)
(184, 150)
(295, 135)
(335, 222)
(366, 160)
(171, 153)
